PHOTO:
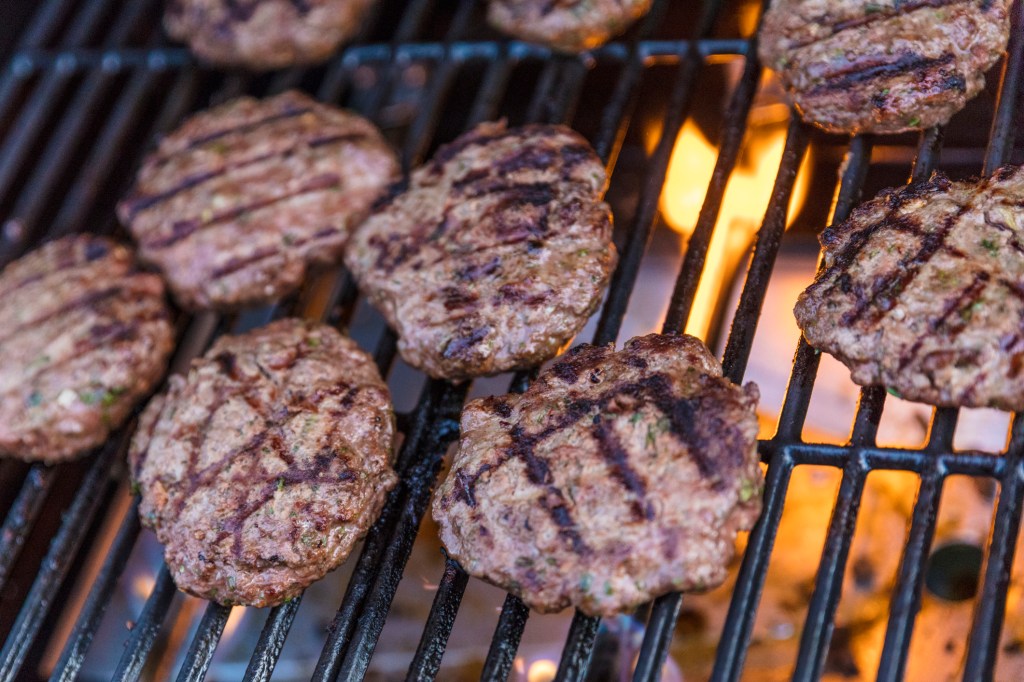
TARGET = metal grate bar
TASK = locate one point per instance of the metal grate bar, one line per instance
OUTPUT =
(427, 661)
(819, 624)
(906, 599)
(697, 247)
(200, 651)
(987, 625)
(620, 288)
(56, 159)
(110, 147)
(766, 248)
(22, 516)
(579, 647)
(505, 642)
(58, 560)
(146, 629)
(75, 649)
(45, 23)
(271, 641)
(89, 23)
(739, 621)
(806, 359)
(23, 137)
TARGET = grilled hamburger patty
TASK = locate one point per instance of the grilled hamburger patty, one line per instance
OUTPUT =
(885, 66)
(83, 336)
(235, 204)
(923, 292)
(262, 467)
(496, 254)
(567, 25)
(264, 34)
(616, 477)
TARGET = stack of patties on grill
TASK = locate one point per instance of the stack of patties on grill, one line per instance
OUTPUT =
(886, 66)
(922, 291)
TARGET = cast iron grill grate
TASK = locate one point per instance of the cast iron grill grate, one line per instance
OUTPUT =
(88, 85)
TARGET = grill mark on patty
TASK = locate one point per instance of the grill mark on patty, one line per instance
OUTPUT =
(84, 301)
(185, 228)
(681, 413)
(855, 73)
(408, 245)
(968, 296)
(459, 347)
(905, 272)
(270, 436)
(235, 264)
(617, 460)
(858, 73)
(247, 127)
(143, 202)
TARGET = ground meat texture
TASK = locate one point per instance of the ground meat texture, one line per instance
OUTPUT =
(83, 336)
(264, 34)
(261, 469)
(566, 25)
(238, 202)
(496, 254)
(886, 66)
(923, 292)
(615, 478)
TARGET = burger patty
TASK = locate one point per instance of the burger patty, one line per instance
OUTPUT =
(83, 336)
(496, 254)
(616, 477)
(261, 469)
(566, 25)
(923, 292)
(264, 34)
(237, 202)
(886, 66)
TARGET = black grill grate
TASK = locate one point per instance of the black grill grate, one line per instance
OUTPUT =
(90, 83)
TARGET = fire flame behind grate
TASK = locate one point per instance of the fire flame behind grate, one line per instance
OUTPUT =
(89, 85)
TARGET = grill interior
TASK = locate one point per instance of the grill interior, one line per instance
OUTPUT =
(88, 85)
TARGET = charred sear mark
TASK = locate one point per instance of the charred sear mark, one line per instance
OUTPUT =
(617, 459)
(184, 228)
(906, 63)
(135, 205)
(695, 423)
(457, 298)
(475, 271)
(195, 143)
(955, 304)
(461, 347)
(889, 287)
(234, 264)
(87, 300)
